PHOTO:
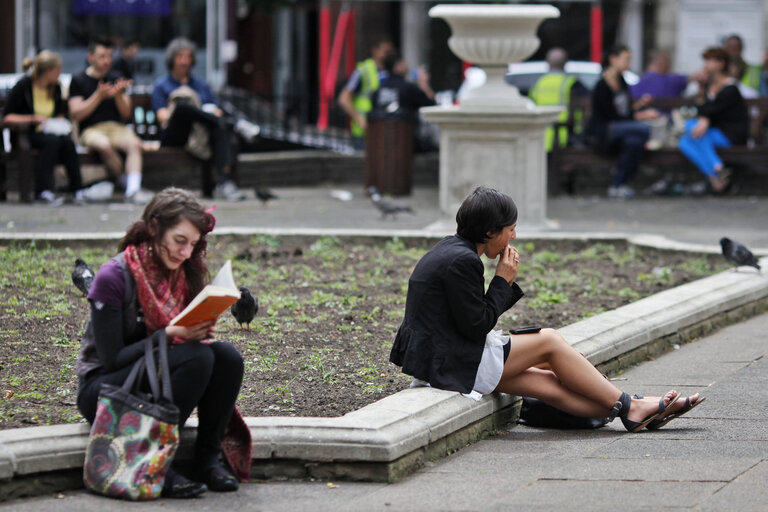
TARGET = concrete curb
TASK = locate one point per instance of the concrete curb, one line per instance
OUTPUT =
(398, 434)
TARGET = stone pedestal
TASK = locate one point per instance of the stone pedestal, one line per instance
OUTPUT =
(499, 147)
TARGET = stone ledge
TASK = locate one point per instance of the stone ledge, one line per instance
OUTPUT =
(387, 440)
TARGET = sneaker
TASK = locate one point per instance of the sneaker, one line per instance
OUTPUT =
(141, 197)
(48, 197)
(247, 130)
(101, 191)
(621, 192)
(80, 199)
(229, 191)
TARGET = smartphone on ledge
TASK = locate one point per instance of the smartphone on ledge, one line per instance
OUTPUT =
(532, 329)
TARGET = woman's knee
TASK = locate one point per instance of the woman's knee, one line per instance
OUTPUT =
(227, 358)
(193, 356)
(552, 339)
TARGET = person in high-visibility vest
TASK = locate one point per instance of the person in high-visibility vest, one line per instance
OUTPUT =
(555, 88)
(355, 97)
(748, 74)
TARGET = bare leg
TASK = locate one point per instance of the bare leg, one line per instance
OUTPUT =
(574, 384)
(132, 148)
(109, 156)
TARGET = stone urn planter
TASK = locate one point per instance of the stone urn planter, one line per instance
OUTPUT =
(494, 137)
(492, 36)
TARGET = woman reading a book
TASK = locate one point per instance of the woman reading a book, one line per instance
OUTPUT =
(159, 269)
(447, 339)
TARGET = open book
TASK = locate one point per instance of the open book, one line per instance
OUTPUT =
(212, 300)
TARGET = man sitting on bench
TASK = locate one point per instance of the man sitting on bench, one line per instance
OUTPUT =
(97, 100)
(186, 109)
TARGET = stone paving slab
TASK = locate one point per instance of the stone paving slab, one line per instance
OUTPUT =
(748, 492)
(610, 495)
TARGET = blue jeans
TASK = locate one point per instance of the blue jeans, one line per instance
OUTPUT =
(701, 151)
(630, 138)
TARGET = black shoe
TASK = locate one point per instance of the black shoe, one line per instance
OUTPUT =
(218, 479)
(181, 488)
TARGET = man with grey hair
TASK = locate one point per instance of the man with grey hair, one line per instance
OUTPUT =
(182, 102)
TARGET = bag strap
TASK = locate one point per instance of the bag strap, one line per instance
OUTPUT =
(162, 377)
(134, 376)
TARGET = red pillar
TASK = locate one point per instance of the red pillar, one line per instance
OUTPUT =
(596, 32)
(324, 49)
(350, 61)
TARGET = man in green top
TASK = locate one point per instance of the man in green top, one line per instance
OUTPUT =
(748, 74)
(355, 97)
(556, 88)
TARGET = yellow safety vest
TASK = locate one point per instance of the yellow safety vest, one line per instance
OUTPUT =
(369, 82)
(751, 77)
(549, 90)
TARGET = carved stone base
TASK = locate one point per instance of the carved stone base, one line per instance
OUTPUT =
(502, 148)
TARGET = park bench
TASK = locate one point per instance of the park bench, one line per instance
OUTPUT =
(22, 156)
(565, 163)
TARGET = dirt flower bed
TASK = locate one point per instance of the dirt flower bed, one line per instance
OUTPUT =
(329, 310)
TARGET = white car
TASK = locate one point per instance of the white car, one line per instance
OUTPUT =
(524, 74)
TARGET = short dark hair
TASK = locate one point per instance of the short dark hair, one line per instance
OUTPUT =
(391, 60)
(716, 53)
(614, 51)
(98, 41)
(484, 212)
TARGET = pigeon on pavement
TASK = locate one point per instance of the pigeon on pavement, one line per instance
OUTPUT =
(737, 254)
(245, 308)
(386, 207)
(264, 194)
(82, 276)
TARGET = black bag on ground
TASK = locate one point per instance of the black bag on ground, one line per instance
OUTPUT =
(535, 413)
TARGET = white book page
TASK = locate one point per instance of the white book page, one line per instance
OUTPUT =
(224, 278)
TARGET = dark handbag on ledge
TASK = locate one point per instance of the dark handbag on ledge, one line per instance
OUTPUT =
(535, 413)
(135, 434)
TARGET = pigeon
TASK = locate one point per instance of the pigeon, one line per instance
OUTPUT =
(385, 206)
(737, 254)
(245, 308)
(264, 194)
(82, 276)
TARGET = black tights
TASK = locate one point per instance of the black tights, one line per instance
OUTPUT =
(206, 375)
(55, 149)
(180, 124)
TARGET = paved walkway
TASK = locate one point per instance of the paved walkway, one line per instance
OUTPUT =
(713, 459)
(694, 220)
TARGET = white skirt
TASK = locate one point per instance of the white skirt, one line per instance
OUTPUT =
(490, 369)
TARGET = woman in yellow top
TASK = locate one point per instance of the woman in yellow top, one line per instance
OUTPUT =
(32, 102)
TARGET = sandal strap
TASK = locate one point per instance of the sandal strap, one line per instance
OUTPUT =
(620, 408)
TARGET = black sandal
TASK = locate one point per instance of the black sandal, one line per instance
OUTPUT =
(621, 409)
(657, 424)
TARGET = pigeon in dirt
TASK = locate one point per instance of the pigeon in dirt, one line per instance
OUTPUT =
(386, 207)
(737, 254)
(82, 276)
(264, 194)
(245, 308)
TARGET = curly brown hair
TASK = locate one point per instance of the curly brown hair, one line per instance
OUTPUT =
(166, 210)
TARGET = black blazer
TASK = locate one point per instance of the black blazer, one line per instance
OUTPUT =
(604, 111)
(448, 314)
(19, 100)
(728, 112)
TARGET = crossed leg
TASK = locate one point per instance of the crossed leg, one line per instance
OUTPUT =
(573, 384)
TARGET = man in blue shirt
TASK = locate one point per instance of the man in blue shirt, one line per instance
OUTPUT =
(185, 105)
